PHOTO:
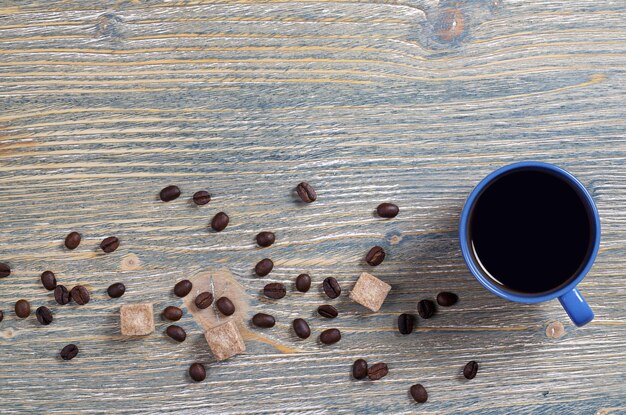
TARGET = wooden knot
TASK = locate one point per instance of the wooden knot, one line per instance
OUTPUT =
(449, 25)
(130, 262)
(555, 330)
(109, 25)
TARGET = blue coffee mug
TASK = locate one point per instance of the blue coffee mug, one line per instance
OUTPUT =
(569, 296)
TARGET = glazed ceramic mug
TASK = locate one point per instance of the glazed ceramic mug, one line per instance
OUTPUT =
(529, 233)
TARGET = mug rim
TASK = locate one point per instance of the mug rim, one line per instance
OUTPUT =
(469, 259)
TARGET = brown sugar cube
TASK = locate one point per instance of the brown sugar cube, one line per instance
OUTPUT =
(225, 340)
(369, 291)
(136, 319)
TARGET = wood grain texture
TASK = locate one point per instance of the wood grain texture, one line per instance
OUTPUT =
(411, 101)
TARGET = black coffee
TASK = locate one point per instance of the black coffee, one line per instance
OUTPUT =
(530, 231)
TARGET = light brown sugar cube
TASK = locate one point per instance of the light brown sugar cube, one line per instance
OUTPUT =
(136, 319)
(369, 291)
(225, 340)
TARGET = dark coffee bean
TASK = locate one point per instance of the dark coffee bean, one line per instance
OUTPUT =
(172, 313)
(446, 299)
(275, 290)
(265, 239)
(331, 287)
(330, 336)
(377, 371)
(375, 256)
(418, 392)
(5, 270)
(306, 192)
(204, 300)
(69, 352)
(303, 283)
(264, 267)
(359, 369)
(22, 308)
(182, 288)
(169, 193)
(72, 240)
(61, 295)
(109, 244)
(387, 210)
(197, 372)
(1, 315)
(470, 369)
(327, 311)
(263, 320)
(426, 308)
(176, 332)
(80, 295)
(116, 290)
(301, 327)
(201, 198)
(44, 315)
(225, 306)
(48, 280)
(405, 323)
(220, 221)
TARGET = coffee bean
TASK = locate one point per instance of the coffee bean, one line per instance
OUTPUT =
(48, 280)
(201, 198)
(80, 295)
(306, 192)
(331, 287)
(5, 270)
(446, 299)
(61, 295)
(359, 369)
(44, 315)
(330, 336)
(220, 221)
(377, 371)
(182, 288)
(275, 290)
(109, 244)
(470, 369)
(176, 332)
(1, 315)
(169, 193)
(303, 283)
(327, 311)
(265, 239)
(204, 300)
(264, 267)
(263, 320)
(69, 352)
(418, 392)
(426, 308)
(225, 306)
(301, 327)
(22, 308)
(72, 240)
(116, 290)
(197, 372)
(172, 313)
(375, 256)
(387, 210)
(405, 323)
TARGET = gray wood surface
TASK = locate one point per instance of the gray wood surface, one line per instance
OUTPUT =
(411, 101)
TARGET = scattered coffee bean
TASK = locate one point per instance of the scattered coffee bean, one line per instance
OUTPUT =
(275, 290)
(69, 352)
(470, 369)
(330, 336)
(219, 222)
(116, 290)
(405, 323)
(359, 369)
(197, 372)
(72, 240)
(169, 193)
(418, 392)
(61, 295)
(331, 287)
(48, 280)
(225, 306)
(265, 239)
(44, 315)
(201, 197)
(426, 308)
(306, 192)
(204, 300)
(301, 327)
(22, 308)
(176, 332)
(303, 283)
(5, 270)
(375, 256)
(1, 315)
(80, 295)
(264, 267)
(109, 244)
(263, 320)
(446, 299)
(387, 210)
(182, 288)
(327, 311)
(172, 313)
(377, 371)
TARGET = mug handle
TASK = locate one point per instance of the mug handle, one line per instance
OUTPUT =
(576, 307)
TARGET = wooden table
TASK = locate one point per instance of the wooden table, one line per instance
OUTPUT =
(405, 101)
